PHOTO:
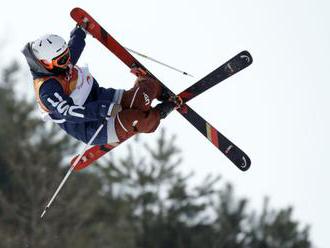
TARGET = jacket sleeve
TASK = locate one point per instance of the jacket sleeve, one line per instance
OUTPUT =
(52, 96)
(76, 44)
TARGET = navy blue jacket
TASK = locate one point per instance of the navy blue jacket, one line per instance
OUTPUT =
(87, 118)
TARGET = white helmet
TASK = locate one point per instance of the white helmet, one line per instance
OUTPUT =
(49, 47)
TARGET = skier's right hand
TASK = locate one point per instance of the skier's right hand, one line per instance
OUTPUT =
(84, 25)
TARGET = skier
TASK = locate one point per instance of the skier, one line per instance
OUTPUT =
(71, 97)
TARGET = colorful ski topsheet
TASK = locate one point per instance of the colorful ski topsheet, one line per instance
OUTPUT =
(231, 67)
(239, 62)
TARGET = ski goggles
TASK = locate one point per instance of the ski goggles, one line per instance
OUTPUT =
(60, 61)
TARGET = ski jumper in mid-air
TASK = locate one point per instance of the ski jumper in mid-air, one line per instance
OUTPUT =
(71, 97)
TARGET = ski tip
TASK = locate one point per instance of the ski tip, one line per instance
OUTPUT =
(246, 56)
(244, 164)
(74, 10)
(238, 157)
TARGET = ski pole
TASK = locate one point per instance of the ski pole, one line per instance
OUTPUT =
(159, 62)
(71, 169)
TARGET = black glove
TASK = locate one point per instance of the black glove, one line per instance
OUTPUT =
(83, 25)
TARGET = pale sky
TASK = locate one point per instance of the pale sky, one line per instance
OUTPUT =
(276, 110)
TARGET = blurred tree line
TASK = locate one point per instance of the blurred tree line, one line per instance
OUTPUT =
(141, 200)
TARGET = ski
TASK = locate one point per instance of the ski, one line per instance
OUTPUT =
(239, 62)
(231, 67)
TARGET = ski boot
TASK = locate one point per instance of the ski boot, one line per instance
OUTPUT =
(167, 106)
(165, 95)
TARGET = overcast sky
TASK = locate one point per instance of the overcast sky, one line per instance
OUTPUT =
(276, 110)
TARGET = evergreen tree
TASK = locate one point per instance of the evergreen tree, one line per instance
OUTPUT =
(31, 168)
(141, 200)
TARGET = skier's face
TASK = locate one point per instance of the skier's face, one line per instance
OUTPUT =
(59, 63)
(63, 60)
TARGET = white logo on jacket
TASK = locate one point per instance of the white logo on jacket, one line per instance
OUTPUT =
(79, 96)
(64, 108)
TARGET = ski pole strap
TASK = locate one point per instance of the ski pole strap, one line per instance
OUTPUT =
(159, 62)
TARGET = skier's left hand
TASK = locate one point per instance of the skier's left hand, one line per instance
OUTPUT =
(139, 72)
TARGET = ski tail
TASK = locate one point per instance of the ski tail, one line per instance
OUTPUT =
(221, 142)
(91, 155)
